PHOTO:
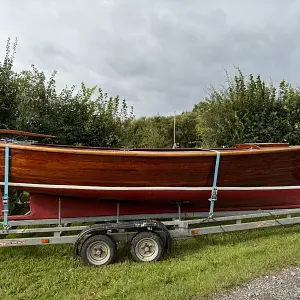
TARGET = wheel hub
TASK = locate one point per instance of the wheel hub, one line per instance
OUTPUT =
(146, 249)
(98, 252)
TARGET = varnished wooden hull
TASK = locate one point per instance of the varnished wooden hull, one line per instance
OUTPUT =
(261, 177)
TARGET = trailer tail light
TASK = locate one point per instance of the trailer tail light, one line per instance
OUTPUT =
(45, 241)
(194, 232)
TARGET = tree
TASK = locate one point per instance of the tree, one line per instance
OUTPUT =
(107, 121)
(186, 133)
(247, 111)
(8, 88)
(158, 131)
(30, 102)
(149, 132)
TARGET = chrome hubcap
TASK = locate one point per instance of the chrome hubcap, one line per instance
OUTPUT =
(146, 249)
(98, 253)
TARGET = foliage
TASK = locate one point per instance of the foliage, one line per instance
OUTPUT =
(249, 111)
(107, 121)
(8, 88)
(158, 131)
(186, 133)
(18, 202)
(152, 132)
(31, 103)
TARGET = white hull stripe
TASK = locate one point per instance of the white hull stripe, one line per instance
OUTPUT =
(154, 188)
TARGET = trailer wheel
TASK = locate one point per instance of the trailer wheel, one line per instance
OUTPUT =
(98, 250)
(146, 247)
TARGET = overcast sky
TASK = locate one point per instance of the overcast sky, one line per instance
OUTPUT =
(160, 55)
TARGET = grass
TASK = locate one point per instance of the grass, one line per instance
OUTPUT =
(196, 268)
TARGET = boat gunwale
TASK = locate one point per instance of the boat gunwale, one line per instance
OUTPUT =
(166, 153)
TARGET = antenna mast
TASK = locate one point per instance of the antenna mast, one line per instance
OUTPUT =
(174, 132)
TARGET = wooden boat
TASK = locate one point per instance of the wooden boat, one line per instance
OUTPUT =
(250, 176)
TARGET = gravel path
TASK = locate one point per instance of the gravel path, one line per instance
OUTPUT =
(283, 285)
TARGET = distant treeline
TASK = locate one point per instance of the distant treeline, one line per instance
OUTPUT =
(245, 110)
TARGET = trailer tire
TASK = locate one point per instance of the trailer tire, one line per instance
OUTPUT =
(98, 250)
(147, 246)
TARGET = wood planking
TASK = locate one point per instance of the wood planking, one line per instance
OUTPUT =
(269, 168)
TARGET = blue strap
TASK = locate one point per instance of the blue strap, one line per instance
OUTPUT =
(214, 191)
(5, 195)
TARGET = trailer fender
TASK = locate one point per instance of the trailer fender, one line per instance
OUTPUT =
(139, 225)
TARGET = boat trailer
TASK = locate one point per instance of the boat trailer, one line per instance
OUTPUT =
(150, 236)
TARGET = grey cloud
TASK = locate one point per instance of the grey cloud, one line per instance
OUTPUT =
(159, 55)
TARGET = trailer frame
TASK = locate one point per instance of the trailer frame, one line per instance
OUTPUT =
(125, 228)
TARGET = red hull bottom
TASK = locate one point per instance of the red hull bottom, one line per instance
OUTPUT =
(46, 207)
